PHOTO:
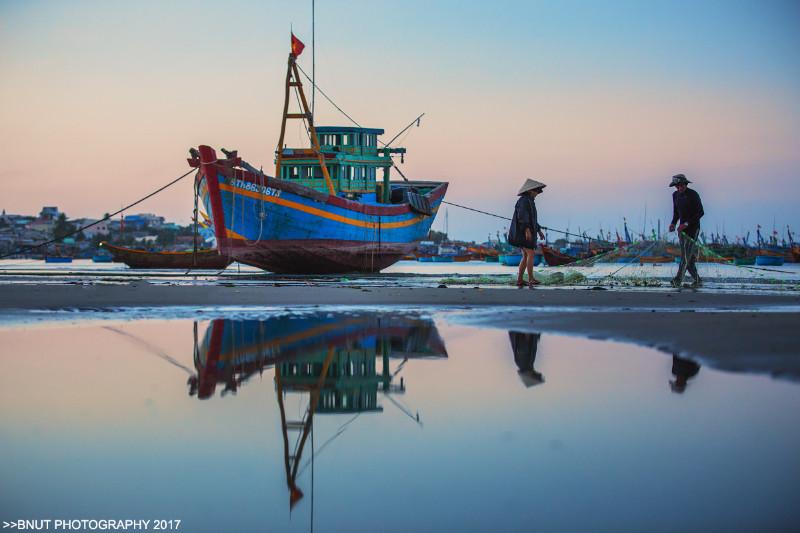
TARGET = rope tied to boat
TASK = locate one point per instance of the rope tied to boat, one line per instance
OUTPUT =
(26, 249)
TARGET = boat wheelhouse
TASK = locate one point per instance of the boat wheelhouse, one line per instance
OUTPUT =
(358, 167)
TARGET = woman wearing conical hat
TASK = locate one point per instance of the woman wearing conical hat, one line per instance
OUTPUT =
(525, 227)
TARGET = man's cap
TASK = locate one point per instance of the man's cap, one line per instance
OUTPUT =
(530, 185)
(677, 179)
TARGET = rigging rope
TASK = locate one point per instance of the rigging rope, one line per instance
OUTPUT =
(506, 218)
(62, 237)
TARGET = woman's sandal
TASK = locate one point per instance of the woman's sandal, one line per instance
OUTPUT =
(534, 282)
(520, 284)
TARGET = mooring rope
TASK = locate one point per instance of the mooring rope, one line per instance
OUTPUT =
(107, 217)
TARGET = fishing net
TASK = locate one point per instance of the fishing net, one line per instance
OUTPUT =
(650, 264)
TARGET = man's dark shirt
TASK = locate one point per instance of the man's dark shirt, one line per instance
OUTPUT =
(688, 208)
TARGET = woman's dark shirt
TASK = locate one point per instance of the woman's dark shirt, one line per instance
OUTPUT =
(525, 217)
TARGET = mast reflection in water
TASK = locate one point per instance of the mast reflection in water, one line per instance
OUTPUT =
(329, 360)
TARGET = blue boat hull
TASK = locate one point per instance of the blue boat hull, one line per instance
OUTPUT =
(769, 260)
(58, 260)
(283, 227)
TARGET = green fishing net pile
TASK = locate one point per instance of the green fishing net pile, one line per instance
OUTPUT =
(569, 277)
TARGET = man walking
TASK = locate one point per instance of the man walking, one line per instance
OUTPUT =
(686, 207)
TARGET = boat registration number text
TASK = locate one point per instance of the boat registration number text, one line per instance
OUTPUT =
(254, 187)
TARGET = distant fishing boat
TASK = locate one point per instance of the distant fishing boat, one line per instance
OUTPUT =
(516, 259)
(102, 259)
(202, 259)
(769, 260)
(655, 259)
(57, 259)
(326, 210)
(555, 258)
(511, 259)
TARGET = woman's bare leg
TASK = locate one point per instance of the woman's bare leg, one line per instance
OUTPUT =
(521, 274)
(529, 256)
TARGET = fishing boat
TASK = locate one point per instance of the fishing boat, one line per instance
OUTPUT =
(208, 259)
(511, 259)
(656, 259)
(57, 259)
(769, 260)
(326, 210)
(555, 258)
(102, 258)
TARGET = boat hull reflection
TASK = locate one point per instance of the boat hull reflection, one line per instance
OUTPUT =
(232, 351)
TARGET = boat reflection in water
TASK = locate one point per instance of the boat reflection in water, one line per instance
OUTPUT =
(330, 361)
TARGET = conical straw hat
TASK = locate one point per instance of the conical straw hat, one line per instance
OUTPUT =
(530, 185)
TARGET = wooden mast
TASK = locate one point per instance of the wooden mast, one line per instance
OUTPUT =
(293, 80)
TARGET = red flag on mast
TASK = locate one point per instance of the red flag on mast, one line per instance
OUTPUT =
(297, 46)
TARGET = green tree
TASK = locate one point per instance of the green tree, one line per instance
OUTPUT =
(437, 236)
(63, 227)
(165, 237)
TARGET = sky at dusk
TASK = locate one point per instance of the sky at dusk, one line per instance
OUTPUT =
(603, 101)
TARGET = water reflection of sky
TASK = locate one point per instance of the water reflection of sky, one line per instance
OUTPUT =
(97, 423)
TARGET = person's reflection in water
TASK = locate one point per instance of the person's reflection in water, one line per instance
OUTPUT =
(524, 346)
(683, 370)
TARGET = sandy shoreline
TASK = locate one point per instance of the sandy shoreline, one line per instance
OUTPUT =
(143, 294)
(736, 332)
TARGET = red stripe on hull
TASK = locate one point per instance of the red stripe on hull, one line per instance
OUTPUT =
(318, 256)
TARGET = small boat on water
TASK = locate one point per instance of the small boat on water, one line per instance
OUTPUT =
(555, 258)
(491, 258)
(769, 260)
(744, 261)
(102, 258)
(208, 259)
(57, 259)
(655, 259)
(443, 258)
(511, 259)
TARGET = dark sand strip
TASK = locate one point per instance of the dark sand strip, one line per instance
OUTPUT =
(144, 294)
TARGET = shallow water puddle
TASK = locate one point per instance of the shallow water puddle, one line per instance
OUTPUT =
(384, 422)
